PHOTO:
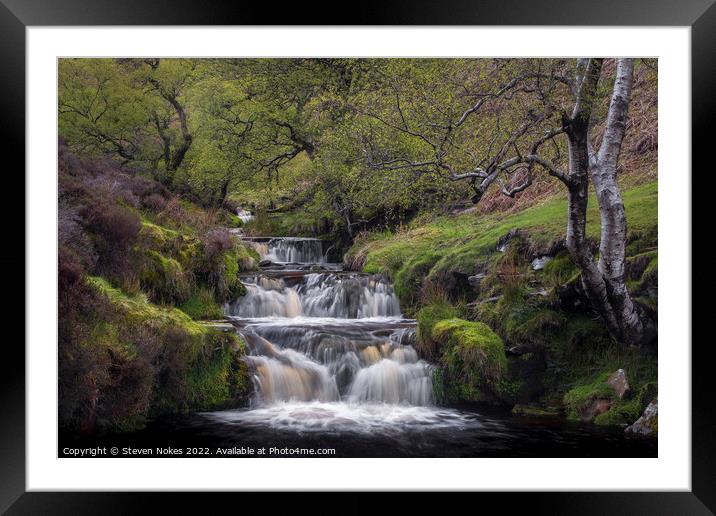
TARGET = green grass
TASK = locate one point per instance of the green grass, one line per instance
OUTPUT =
(202, 305)
(137, 309)
(465, 240)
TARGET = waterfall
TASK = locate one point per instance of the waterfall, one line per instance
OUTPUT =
(244, 215)
(328, 337)
(353, 296)
(291, 250)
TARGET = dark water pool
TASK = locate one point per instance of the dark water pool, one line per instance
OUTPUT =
(309, 429)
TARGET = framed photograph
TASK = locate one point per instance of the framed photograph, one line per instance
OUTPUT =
(417, 253)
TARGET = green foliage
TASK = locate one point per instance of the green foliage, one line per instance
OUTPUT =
(474, 360)
(579, 398)
(559, 270)
(202, 305)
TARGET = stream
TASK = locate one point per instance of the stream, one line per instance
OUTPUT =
(333, 365)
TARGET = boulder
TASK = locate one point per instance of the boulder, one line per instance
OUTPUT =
(539, 262)
(618, 382)
(504, 241)
(648, 423)
(475, 280)
(596, 407)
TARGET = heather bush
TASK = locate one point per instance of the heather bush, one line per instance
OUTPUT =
(125, 244)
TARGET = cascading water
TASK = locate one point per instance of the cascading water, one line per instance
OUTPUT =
(327, 343)
(244, 215)
(333, 364)
(307, 251)
(345, 296)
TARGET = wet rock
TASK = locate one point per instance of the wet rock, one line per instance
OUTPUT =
(618, 381)
(475, 280)
(539, 262)
(265, 263)
(505, 240)
(223, 326)
(648, 423)
(596, 407)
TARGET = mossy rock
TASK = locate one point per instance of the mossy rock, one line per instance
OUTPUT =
(626, 412)
(474, 360)
(579, 399)
(427, 318)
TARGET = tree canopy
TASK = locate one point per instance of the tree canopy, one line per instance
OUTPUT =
(358, 142)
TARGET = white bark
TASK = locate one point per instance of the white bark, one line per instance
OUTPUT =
(605, 280)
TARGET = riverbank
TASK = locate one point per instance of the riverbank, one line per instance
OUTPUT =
(506, 279)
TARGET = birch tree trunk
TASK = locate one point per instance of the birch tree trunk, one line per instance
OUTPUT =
(604, 280)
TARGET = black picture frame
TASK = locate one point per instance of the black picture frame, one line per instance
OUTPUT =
(17, 15)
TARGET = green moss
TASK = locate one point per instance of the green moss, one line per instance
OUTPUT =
(202, 305)
(625, 412)
(579, 398)
(427, 318)
(408, 280)
(138, 310)
(164, 278)
(620, 413)
(474, 359)
(156, 236)
(168, 363)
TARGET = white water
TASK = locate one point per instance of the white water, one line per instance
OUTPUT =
(317, 295)
(244, 215)
(291, 250)
(330, 351)
(344, 417)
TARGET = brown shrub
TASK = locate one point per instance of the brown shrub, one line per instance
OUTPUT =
(154, 202)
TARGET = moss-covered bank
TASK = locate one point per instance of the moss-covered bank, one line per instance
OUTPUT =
(473, 360)
(130, 360)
